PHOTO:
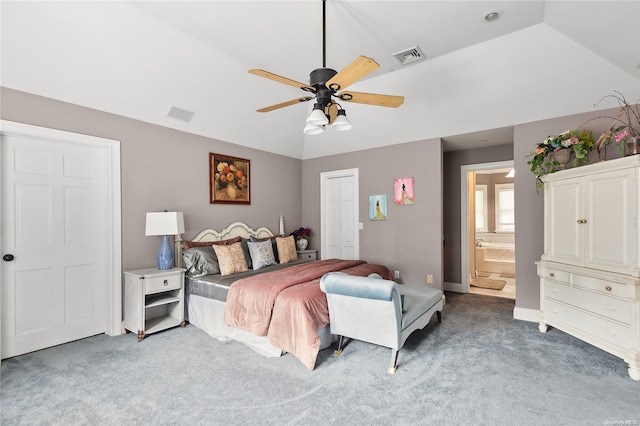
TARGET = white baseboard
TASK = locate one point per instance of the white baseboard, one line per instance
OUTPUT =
(526, 314)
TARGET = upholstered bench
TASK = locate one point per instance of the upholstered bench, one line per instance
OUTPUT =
(378, 311)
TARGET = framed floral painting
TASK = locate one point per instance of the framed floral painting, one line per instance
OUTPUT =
(229, 180)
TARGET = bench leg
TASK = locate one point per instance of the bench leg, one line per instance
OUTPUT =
(393, 366)
(439, 315)
(339, 350)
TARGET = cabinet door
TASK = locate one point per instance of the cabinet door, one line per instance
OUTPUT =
(610, 214)
(563, 239)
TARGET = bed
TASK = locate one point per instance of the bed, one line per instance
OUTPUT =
(273, 309)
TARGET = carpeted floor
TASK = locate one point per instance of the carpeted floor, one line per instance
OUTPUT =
(478, 367)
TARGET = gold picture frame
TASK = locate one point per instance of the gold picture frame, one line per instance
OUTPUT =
(229, 179)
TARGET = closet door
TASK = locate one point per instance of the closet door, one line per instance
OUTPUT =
(339, 228)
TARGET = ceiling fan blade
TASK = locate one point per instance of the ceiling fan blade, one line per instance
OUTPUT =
(285, 104)
(353, 72)
(280, 79)
(372, 99)
(331, 111)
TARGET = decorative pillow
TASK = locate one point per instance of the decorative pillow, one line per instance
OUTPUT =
(274, 246)
(261, 254)
(231, 258)
(200, 261)
(186, 245)
(286, 249)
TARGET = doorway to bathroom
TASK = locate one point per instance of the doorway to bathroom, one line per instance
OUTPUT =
(488, 229)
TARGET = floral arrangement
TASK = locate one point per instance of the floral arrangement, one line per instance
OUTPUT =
(542, 163)
(626, 123)
(301, 233)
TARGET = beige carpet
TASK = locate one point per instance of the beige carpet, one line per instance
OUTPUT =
(488, 283)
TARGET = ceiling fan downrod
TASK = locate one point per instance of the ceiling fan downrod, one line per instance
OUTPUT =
(324, 34)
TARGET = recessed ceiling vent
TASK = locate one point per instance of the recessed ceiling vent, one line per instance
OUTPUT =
(410, 56)
(181, 114)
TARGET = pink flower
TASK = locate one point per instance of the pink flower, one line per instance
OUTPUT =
(621, 135)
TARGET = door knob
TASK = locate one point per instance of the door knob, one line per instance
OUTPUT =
(8, 257)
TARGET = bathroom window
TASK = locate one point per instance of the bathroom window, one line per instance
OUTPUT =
(481, 208)
(505, 211)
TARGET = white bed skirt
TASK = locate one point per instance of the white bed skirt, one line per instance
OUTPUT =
(208, 315)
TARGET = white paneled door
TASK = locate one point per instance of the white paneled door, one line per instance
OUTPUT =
(340, 215)
(56, 242)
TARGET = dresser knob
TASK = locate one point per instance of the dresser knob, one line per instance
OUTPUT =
(552, 275)
(608, 288)
(166, 283)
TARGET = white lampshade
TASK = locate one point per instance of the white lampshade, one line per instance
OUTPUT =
(164, 223)
(317, 116)
(341, 123)
(312, 129)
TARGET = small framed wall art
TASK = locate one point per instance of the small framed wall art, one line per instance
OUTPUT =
(403, 191)
(229, 180)
(378, 207)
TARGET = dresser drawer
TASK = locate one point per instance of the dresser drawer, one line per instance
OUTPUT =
(606, 287)
(561, 276)
(158, 284)
(600, 304)
(603, 329)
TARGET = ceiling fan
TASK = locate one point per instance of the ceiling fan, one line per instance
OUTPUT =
(326, 85)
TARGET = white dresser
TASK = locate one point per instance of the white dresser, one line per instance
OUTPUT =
(590, 269)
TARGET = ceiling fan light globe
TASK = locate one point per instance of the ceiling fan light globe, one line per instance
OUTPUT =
(312, 129)
(341, 123)
(317, 117)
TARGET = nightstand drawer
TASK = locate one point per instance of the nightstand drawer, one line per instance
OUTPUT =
(157, 284)
(308, 255)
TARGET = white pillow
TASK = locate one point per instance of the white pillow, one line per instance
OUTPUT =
(261, 254)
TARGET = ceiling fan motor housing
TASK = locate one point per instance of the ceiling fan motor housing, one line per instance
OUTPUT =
(320, 76)
(317, 79)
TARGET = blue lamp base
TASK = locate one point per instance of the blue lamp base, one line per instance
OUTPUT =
(165, 254)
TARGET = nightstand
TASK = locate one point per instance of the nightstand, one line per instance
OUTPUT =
(308, 255)
(153, 300)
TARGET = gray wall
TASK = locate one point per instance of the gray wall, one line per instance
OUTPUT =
(410, 240)
(453, 161)
(168, 169)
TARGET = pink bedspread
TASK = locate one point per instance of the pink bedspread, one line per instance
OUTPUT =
(288, 306)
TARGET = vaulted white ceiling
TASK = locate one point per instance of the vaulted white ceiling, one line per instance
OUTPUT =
(541, 59)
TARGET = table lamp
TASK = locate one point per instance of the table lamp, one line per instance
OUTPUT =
(165, 224)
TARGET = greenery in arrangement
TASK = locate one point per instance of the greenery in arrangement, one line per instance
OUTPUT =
(579, 142)
(301, 233)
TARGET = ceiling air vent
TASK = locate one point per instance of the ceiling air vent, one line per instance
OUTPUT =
(410, 56)
(181, 114)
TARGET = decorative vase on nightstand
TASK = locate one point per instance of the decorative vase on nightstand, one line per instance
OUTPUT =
(302, 243)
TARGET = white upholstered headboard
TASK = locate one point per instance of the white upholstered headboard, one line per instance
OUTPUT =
(236, 229)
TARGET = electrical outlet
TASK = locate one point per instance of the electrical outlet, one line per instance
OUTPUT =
(429, 279)
(396, 274)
